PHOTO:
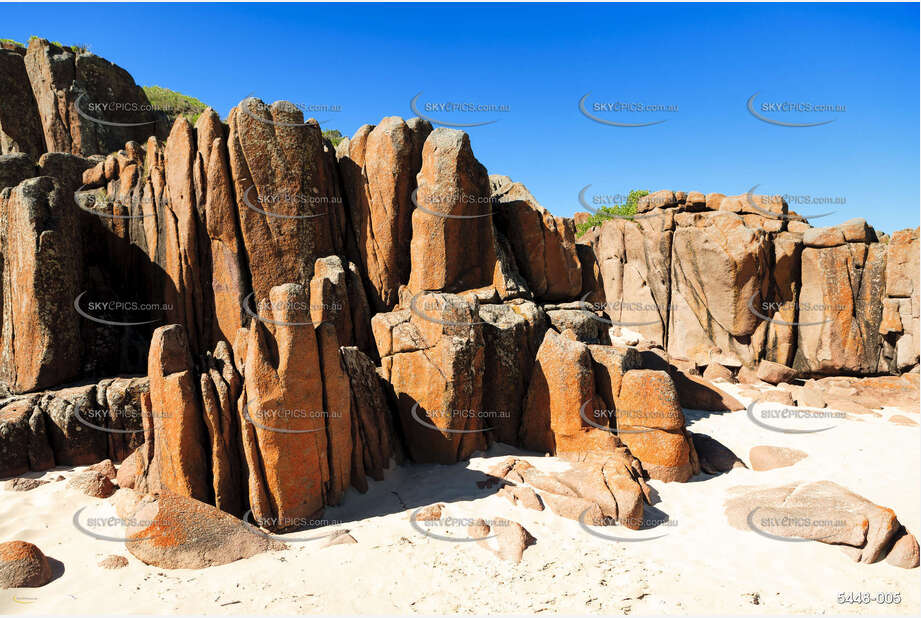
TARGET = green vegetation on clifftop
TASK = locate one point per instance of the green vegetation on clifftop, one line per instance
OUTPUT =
(611, 212)
(174, 104)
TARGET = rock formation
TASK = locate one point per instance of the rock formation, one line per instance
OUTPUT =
(307, 315)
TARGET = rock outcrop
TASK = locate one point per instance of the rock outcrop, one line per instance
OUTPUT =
(87, 105)
(23, 565)
(170, 531)
(822, 511)
(71, 426)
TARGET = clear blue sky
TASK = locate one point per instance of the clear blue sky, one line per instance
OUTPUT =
(539, 60)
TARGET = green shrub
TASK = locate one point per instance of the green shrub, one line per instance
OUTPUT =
(173, 104)
(14, 42)
(615, 211)
(334, 136)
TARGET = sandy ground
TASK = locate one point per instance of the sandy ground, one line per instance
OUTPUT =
(698, 564)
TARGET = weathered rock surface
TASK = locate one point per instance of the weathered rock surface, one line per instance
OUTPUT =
(544, 245)
(177, 532)
(379, 167)
(433, 358)
(822, 511)
(20, 125)
(77, 92)
(764, 457)
(71, 426)
(41, 272)
(453, 245)
(23, 565)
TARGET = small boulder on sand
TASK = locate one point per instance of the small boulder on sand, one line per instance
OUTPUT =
(431, 512)
(114, 561)
(176, 532)
(105, 467)
(23, 565)
(21, 484)
(340, 537)
(91, 483)
(504, 538)
(764, 458)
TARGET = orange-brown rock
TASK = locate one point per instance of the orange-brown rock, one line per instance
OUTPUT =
(453, 245)
(374, 439)
(284, 429)
(512, 333)
(337, 408)
(40, 342)
(220, 385)
(70, 87)
(841, 301)
(379, 170)
(23, 565)
(180, 445)
(544, 245)
(433, 357)
(20, 124)
(288, 200)
(170, 531)
(229, 276)
(562, 384)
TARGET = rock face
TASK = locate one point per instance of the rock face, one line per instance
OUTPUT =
(23, 565)
(900, 307)
(634, 259)
(288, 200)
(379, 167)
(20, 125)
(176, 532)
(585, 399)
(822, 511)
(717, 269)
(841, 299)
(41, 272)
(71, 426)
(544, 245)
(87, 104)
(433, 358)
(453, 245)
